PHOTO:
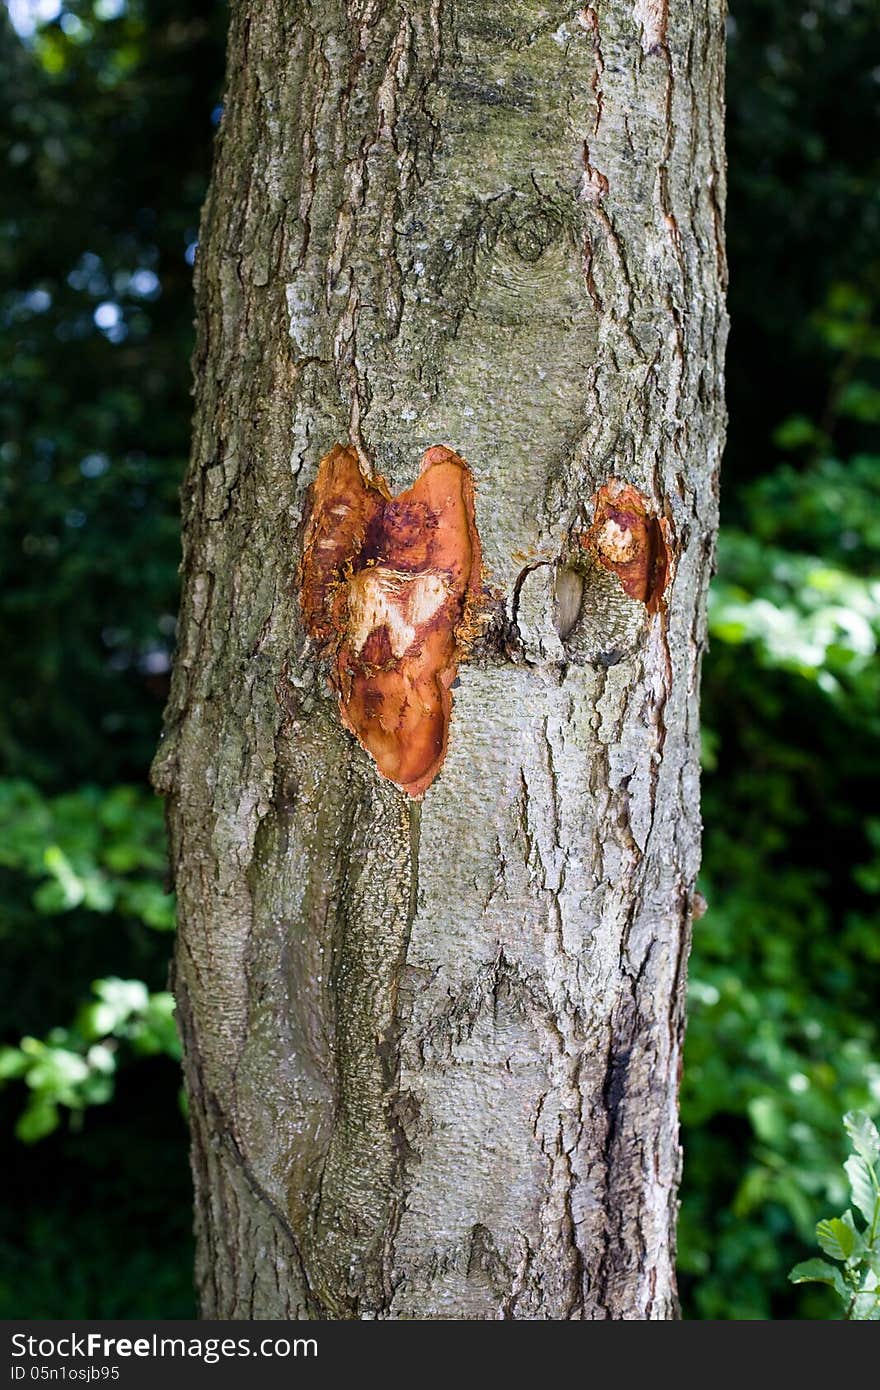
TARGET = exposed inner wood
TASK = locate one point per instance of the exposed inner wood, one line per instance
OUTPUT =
(387, 588)
(630, 539)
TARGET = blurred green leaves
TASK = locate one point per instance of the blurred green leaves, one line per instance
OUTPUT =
(76, 1067)
(99, 848)
(801, 613)
(832, 504)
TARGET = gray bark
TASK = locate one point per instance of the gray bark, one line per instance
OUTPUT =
(432, 1049)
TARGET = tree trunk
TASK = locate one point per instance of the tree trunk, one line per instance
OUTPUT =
(433, 1046)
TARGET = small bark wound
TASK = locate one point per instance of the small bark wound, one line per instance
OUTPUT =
(628, 538)
(388, 588)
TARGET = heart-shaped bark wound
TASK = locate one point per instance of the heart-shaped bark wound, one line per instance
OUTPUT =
(388, 585)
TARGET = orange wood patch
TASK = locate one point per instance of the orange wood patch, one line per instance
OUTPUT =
(386, 588)
(628, 538)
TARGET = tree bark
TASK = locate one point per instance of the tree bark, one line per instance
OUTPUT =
(433, 1047)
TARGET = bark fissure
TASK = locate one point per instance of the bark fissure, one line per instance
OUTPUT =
(432, 1050)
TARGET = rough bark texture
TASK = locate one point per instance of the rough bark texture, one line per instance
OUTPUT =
(432, 1050)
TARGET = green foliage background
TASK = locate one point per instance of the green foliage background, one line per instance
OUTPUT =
(105, 137)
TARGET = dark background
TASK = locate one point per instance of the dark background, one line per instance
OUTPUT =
(106, 125)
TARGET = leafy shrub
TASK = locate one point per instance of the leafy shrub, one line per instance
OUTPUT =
(857, 1283)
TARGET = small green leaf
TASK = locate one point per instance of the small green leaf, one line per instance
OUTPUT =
(768, 1119)
(796, 431)
(101, 1059)
(97, 893)
(38, 1119)
(97, 1090)
(863, 1135)
(69, 882)
(122, 998)
(864, 1190)
(819, 1272)
(867, 1302)
(96, 1020)
(848, 1220)
(13, 1063)
(836, 1238)
(50, 898)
